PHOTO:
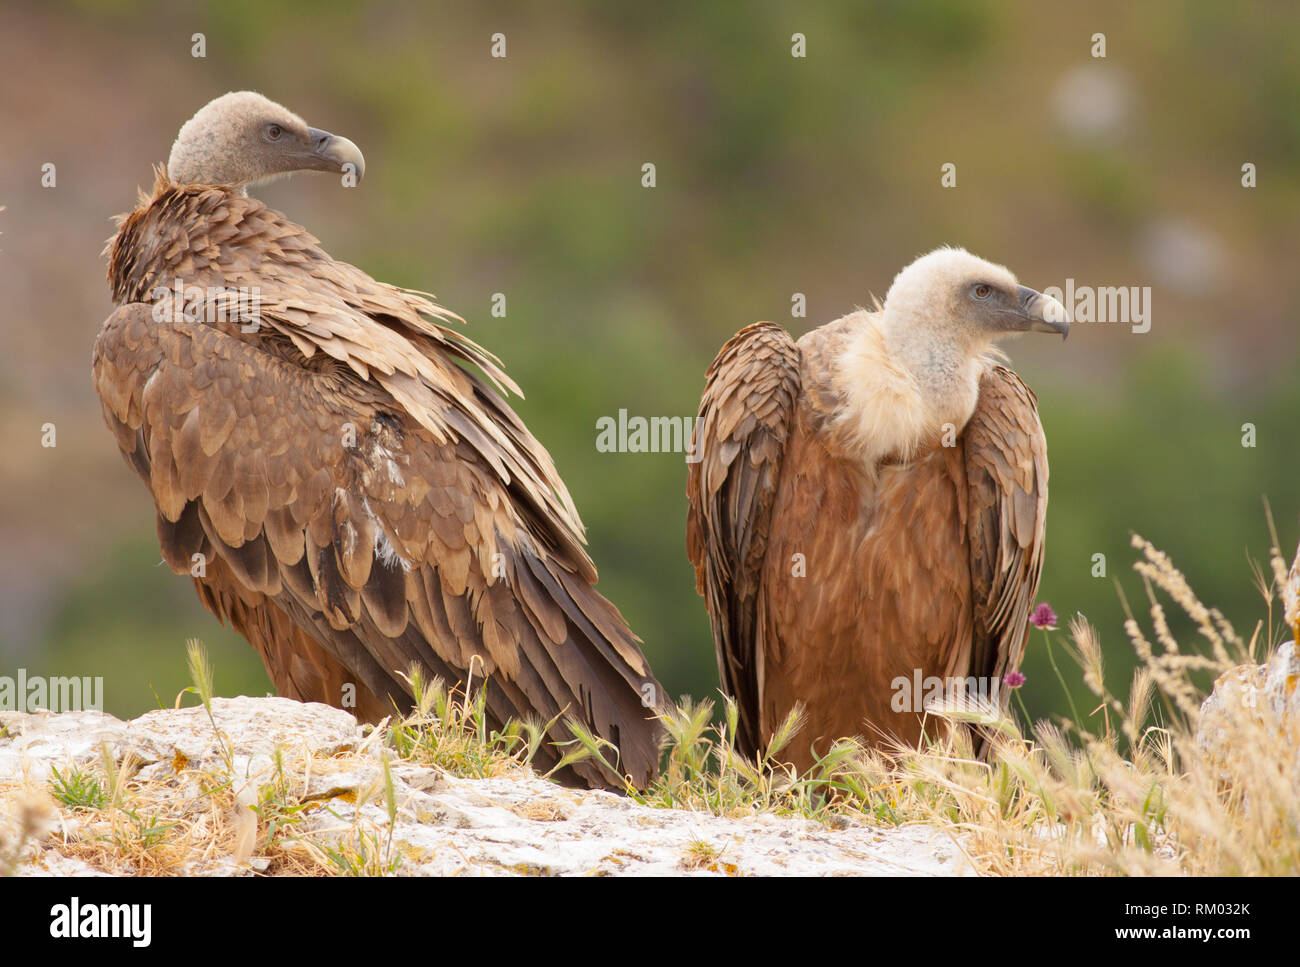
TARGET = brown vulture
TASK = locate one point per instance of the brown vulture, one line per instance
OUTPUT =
(345, 494)
(867, 510)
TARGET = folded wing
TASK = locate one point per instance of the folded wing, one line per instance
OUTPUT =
(349, 539)
(744, 420)
(1006, 476)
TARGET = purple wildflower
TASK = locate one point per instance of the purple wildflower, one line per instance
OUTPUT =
(1013, 679)
(1043, 617)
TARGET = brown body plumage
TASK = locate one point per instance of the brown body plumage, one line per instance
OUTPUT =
(857, 520)
(347, 496)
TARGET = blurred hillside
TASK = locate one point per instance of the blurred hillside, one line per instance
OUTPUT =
(775, 175)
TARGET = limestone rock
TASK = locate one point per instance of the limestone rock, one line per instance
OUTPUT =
(1249, 697)
(508, 825)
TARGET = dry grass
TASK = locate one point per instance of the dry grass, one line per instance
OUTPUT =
(1126, 790)
(1119, 794)
(449, 730)
(197, 818)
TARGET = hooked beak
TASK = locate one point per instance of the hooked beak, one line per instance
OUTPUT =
(329, 152)
(1042, 313)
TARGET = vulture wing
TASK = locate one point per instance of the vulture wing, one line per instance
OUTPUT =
(1006, 476)
(349, 538)
(740, 435)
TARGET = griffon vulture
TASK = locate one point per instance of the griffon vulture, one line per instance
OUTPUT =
(345, 494)
(867, 509)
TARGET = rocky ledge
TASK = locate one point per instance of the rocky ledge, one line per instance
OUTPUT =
(299, 788)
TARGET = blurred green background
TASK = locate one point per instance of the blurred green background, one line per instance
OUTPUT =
(775, 175)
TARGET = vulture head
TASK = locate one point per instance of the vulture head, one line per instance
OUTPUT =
(243, 138)
(952, 297)
(920, 370)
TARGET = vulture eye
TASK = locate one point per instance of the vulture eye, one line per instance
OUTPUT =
(982, 291)
(273, 132)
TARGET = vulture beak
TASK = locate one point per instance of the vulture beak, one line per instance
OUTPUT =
(1041, 313)
(329, 152)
